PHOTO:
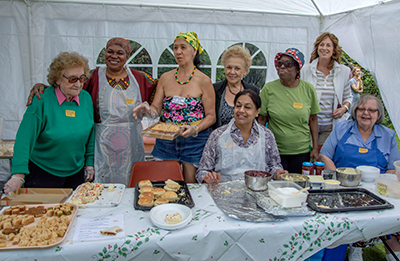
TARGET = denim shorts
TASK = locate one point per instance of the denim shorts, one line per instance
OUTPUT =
(188, 150)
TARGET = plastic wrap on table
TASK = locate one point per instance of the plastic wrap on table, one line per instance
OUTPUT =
(271, 207)
(231, 197)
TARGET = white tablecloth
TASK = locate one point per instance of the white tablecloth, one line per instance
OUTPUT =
(212, 235)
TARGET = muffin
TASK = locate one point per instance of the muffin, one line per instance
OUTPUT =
(158, 192)
(160, 201)
(146, 194)
(144, 183)
(146, 189)
(145, 202)
(170, 195)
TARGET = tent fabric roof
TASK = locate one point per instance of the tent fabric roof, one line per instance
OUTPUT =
(297, 7)
(33, 32)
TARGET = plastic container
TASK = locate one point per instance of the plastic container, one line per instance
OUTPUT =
(307, 168)
(369, 173)
(387, 187)
(319, 168)
(331, 184)
(316, 182)
(397, 167)
(281, 192)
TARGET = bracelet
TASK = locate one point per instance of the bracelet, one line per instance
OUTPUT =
(196, 131)
(346, 107)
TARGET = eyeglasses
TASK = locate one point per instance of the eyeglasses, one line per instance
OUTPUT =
(287, 64)
(73, 79)
(362, 110)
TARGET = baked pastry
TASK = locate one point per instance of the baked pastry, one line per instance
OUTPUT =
(158, 192)
(172, 219)
(146, 194)
(111, 188)
(170, 195)
(171, 185)
(145, 202)
(146, 189)
(144, 183)
(160, 201)
(165, 127)
(112, 231)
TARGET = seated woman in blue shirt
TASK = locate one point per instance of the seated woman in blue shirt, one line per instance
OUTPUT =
(240, 145)
(363, 142)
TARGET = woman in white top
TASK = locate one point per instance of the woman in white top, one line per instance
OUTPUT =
(330, 80)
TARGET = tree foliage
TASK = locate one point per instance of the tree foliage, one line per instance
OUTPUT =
(370, 85)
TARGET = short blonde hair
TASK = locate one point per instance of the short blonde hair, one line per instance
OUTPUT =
(63, 61)
(237, 51)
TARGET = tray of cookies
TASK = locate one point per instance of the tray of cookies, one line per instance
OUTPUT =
(97, 195)
(163, 130)
(35, 226)
(153, 193)
(25, 196)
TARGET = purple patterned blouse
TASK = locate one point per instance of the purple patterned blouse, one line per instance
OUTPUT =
(211, 154)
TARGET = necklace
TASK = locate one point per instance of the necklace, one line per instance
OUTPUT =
(229, 88)
(182, 83)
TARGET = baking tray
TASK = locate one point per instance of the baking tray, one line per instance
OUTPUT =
(25, 196)
(186, 198)
(344, 200)
(10, 246)
(148, 132)
(106, 199)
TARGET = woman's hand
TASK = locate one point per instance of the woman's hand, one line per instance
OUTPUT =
(39, 87)
(338, 113)
(314, 155)
(142, 109)
(212, 177)
(189, 131)
(89, 173)
(15, 182)
(278, 173)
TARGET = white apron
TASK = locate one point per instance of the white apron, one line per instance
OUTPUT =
(234, 160)
(119, 143)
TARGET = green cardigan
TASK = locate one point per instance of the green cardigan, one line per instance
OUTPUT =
(59, 144)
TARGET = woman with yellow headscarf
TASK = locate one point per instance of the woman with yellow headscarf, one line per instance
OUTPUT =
(185, 96)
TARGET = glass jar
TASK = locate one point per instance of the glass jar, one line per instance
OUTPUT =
(307, 169)
(319, 168)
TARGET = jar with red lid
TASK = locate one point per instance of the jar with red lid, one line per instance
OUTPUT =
(307, 169)
(319, 168)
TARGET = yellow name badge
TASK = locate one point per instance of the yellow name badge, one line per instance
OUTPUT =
(69, 113)
(129, 101)
(297, 105)
(362, 150)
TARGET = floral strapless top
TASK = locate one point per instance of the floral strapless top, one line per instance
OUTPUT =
(189, 111)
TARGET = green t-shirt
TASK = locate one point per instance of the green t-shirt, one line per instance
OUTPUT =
(57, 138)
(289, 110)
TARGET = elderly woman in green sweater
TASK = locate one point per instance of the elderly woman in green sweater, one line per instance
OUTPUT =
(55, 140)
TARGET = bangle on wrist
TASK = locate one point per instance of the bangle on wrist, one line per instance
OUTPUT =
(196, 129)
(344, 105)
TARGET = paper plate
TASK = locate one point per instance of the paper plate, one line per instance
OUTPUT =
(158, 213)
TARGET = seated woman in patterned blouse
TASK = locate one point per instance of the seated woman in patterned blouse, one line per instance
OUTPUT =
(241, 145)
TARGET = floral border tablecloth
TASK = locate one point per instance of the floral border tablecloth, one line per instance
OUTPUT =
(211, 235)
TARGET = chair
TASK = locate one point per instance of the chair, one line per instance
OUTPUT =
(155, 171)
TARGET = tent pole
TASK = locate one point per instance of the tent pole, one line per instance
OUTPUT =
(30, 41)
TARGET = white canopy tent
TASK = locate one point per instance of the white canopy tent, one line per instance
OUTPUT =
(33, 32)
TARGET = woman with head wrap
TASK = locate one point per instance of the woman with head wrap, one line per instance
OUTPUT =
(185, 96)
(291, 106)
(115, 91)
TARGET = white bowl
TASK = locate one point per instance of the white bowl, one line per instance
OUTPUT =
(397, 167)
(158, 213)
(369, 173)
